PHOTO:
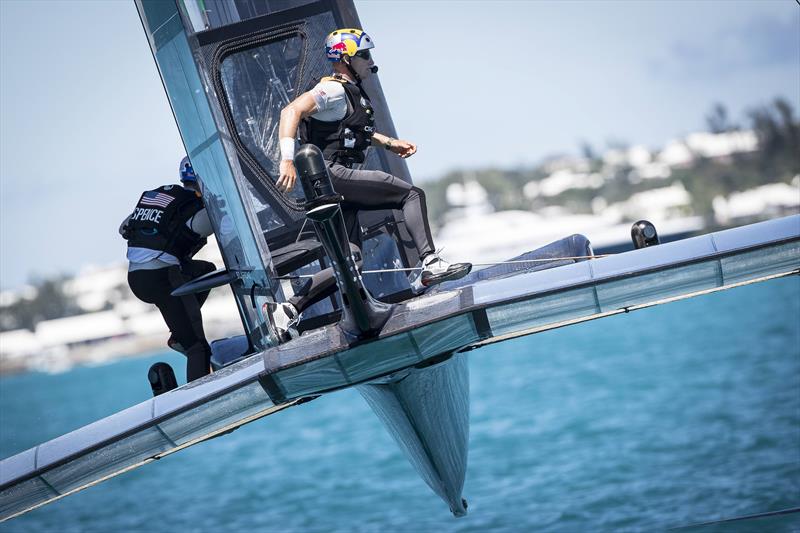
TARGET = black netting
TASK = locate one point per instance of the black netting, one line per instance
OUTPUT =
(255, 72)
(258, 83)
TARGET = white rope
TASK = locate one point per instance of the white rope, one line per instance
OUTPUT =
(516, 261)
(511, 262)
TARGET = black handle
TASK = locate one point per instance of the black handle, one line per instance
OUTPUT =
(218, 278)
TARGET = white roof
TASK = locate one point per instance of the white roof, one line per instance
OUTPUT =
(755, 202)
(663, 197)
(505, 234)
(675, 153)
(722, 144)
(18, 342)
(563, 180)
(469, 193)
(97, 279)
(80, 328)
(639, 156)
(654, 204)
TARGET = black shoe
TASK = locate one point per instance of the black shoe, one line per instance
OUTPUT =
(175, 345)
(161, 378)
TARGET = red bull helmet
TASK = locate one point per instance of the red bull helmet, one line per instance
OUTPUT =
(347, 42)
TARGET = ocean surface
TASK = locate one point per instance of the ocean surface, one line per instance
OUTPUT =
(669, 416)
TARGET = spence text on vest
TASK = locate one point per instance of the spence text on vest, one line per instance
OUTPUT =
(153, 215)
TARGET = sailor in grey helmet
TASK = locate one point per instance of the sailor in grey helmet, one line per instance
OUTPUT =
(336, 116)
(167, 227)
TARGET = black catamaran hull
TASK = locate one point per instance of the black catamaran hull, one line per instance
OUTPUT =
(417, 343)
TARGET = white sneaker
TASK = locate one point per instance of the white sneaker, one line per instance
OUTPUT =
(284, 317)
(434, 265)
(436, 270)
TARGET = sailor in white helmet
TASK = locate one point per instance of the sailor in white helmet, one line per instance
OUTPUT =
(336, 116)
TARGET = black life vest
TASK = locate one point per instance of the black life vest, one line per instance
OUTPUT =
(343, 140)
(158, 221)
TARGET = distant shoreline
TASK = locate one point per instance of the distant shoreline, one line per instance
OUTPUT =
(62, 359)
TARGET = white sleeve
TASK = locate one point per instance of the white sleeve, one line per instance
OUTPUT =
(331, 101)
(200, 223)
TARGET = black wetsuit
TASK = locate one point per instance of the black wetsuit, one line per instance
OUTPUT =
(368, 190)
(344, 143)
(158, 223)
(181, 313)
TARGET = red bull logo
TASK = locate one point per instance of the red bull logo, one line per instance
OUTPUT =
(347, 46)
(336, 51)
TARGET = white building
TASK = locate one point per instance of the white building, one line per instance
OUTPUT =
(576, 163)
(675, 154)
(655, 170)
(722, 144)
(18, 344)
(639, 156)
(505, 234)
(81, 329)
(704, 144)
(560, 181)
(466, 199)
(656, 204)
(772, 200)
(94, 287)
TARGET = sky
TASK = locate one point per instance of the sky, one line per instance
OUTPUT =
(85, 125)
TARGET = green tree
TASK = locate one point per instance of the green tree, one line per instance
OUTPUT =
(718, 121)
(50, 302)
(778, 139)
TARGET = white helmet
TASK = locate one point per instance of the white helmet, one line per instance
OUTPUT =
(347, 42)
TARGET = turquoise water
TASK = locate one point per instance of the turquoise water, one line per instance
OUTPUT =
(668, 416)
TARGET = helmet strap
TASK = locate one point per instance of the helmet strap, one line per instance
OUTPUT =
(351, 70)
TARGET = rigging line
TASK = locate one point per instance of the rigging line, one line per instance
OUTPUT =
(515, 261)
(511, 262)
(737, 518)
(300, 233)
(164, 23)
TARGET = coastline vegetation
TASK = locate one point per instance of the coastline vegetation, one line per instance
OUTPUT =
(777, 159)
